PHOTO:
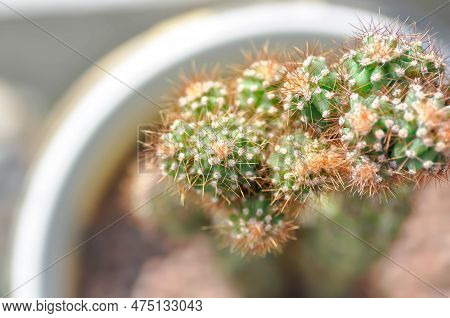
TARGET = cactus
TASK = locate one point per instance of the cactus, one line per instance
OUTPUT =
(302, 165)
(203, 99)
(220, 156)
(328, 261)
(260, 144)
(396, 135)
(385, 56)
(308, 92)
(256, 226)
(256, 89)
(396, 125)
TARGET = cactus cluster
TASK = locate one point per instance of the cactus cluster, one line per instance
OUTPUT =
(258, 144)
(396, 135)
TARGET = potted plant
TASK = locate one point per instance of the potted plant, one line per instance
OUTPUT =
(103, 111)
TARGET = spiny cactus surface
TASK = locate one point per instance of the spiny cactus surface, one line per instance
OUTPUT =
(308, 91)
(384, 57)
(203, 99)
(256, 88)
(302, 165)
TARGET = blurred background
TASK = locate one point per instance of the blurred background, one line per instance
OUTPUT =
(36, 70)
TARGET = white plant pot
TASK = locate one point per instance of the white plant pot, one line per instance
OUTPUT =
(101, 115)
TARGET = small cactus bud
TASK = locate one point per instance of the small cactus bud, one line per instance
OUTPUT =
(256, 90)
(256, 226)
(203, 99)
(308, 91)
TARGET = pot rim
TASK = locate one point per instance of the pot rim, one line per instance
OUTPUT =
(96, 95)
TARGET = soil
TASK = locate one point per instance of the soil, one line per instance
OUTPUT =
(136, 258)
